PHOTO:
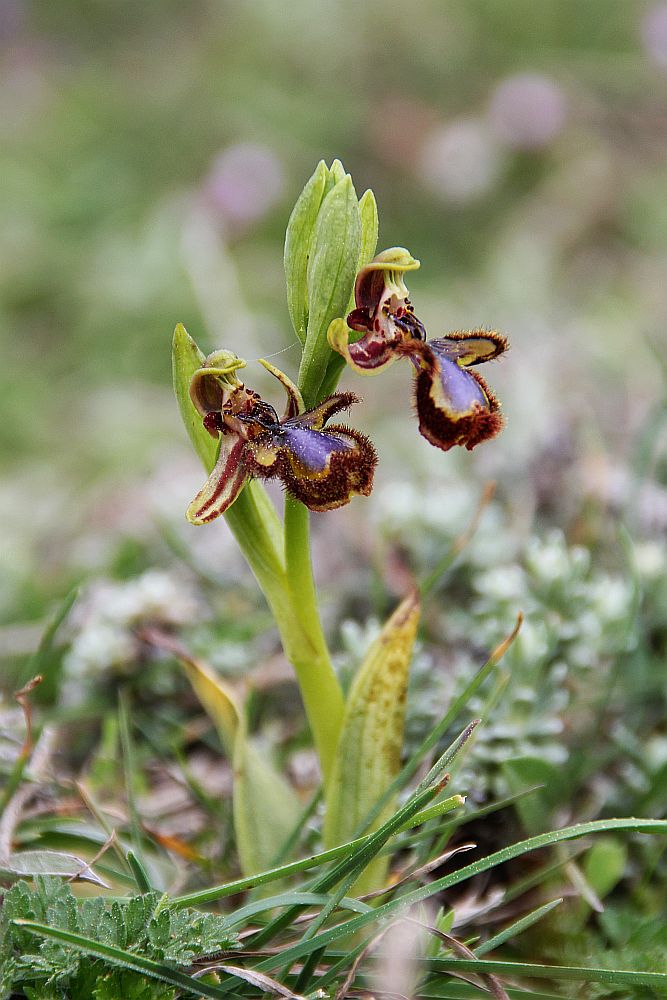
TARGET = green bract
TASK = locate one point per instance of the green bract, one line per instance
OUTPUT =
(297, 247)
(332, 266)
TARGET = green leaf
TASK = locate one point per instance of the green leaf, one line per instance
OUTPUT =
(604, 864)
(186, 358)
(45, 660)
(245, 913)
(126, 959)
(615, 977)
(653, 801)
(369, 751)
(332, 267)
(602, 868)
(516, 928)
(304, 864)
(359, 855)
(265, 807)
(217, 699)
(130, 986)
(453, 713)
(298, 240)
(141, 934)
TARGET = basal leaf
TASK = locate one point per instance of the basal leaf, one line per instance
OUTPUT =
(265, 807)
(369, 751)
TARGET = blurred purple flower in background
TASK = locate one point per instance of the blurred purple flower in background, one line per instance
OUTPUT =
(12, 19)
(654, 34)
(459, 161)
(412, 120)
(245, 182)
(527, 111)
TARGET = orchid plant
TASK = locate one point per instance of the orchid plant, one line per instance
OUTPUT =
(347, 304)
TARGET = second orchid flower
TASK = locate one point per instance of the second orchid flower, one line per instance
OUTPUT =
(454, 404)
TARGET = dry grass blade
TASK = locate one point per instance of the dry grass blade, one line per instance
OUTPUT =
(23, 698)
(460, 949)
(12, 810)
(412, 874)
(259, 979)
(109, 842)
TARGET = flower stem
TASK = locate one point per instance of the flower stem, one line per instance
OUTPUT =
(257, 529)
(321, 691)
(282, 567)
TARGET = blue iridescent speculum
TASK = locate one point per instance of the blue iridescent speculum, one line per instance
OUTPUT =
(454, 404)
(323, 469)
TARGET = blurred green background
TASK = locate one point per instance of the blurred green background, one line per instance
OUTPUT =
(150, 154)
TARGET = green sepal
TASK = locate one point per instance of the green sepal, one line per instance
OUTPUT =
(252, 517)
(186, 359)
(370, 224)
(332, 267)
(368, 757)
(297, 247)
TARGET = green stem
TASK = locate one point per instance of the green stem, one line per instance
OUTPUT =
(321, 691)
(284, 573)
(257, 529)
(280, 561)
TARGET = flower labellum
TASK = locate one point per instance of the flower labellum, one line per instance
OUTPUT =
(454, 405)
(323, 468)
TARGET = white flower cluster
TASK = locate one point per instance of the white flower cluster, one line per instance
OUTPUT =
(577, 619)
(106, 619)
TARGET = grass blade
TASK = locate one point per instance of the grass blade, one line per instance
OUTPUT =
(418, 895)
(297, 898)
(518, 927)
(615, 977)
(295, 867)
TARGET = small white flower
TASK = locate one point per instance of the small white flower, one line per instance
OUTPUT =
(651, 560)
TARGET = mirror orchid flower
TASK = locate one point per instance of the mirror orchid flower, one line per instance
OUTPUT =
(454, 404)
(323, 468)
